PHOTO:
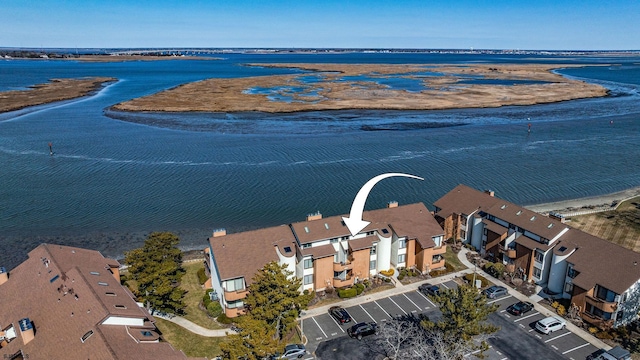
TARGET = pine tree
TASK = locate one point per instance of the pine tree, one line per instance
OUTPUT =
(157, 269)
(254, 342)
(464, 312)
(274, 297)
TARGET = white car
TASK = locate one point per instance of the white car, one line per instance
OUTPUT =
(294, 351)
(550, 324)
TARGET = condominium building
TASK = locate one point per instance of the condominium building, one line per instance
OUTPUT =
(323, 253)
(67, 303)
(602, 279)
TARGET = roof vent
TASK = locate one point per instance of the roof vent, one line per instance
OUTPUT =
(219, 232)
(315, 216)
(490, 192)
(26, 328)
(4, 275)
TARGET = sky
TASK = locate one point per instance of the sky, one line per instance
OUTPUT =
(419, 24)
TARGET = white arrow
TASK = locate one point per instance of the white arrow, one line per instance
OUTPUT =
(354, 222)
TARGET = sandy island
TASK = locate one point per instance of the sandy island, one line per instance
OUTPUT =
(55, 90)
(448, 88)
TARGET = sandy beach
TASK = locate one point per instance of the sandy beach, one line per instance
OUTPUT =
(54, 90)
(601, 201)
(349, 86)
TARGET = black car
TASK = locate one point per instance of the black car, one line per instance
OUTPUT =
(520, 308)
(362, 329)
(341, 315)
(429, 289)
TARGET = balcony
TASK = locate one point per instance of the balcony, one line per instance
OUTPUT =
(437, 265)
(234, 312)
(603, 305)
(341, 266)
(339, 283)
(596, 320)
(510, 253)
(235, 295)
(440, 250)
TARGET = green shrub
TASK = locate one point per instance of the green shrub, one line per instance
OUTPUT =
(359, 288)
(224, 319)
(400, 277)
(366, 283)
(347, 293)
(498, 269)
(214, 309)
(413, 272)
(206, 299)
(202, 277)
(387, 280)
(604, 335)
(483, 281)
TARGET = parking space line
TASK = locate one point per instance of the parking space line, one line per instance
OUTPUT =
(397, 305)
(557, 337)
(426, 298)
(443, 284)
(366, 312)
(323, 333)
(498, 299)
(335, 321)
(575, 348)
(385, 311)
(528, 316)
(416, 305)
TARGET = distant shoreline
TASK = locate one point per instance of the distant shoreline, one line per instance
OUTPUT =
(598, 201)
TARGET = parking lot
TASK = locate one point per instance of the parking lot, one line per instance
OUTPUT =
(517, 338)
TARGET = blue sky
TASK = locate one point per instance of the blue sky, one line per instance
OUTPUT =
(497, 24)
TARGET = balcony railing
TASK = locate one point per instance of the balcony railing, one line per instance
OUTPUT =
(596, 320)
(440, 250)
(338, 283)
(341, 266)
(509, 252)
(235, 295)
(603, 305)
(233, 312)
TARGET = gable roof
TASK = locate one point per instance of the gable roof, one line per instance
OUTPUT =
(463, 200)
(599, 261)
(243, 254)
(58, 289)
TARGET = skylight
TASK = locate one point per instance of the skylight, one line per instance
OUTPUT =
(503, 206)
(326, 226)
(287, 249)
(562, 248)
(550, 226)
(385, 231)
(306, 229)
(519, 212)
(533, 218)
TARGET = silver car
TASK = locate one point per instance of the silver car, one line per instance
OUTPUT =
(294, 351)
(495, 291)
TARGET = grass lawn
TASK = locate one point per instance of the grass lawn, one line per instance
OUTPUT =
(191, 344)
(452, 258)
(194, 295)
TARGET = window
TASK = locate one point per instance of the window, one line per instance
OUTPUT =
(537, 272)
(308, 263)
(119, 306)
(372, 265)
(568, 288)
(402, 258)
(604, 294)
(572, 273)
(385, 231)
(308, 279)
(110, 293)
(463, 221)
(287, 249)
(146, 333)
(334, 240)
(235, 284)
(86, 336)
(306, 246)
(539, 256)
(402, 243)
(235, 304)
(54, 278)
(373, 250)
(463, 234)
(620, 315)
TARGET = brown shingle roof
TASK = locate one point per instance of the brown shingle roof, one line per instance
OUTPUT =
(529, 220)
(363, 243)
(318, 252)
(601, 262)
(463, 200)
(413, 221)
(321, 229)
(55, 289)
(495, 227)
(243, 254)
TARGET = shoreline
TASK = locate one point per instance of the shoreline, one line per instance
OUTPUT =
(604, 201)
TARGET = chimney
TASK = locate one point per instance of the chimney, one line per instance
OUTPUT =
(314, 216)
(219, 232)
(26, 328)
(392, 204)
(4, 275)
(490, 192)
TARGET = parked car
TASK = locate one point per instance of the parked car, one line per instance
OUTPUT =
(520, 308)
(294, 351)
(495, 292)
(429, 289)
(550, 324)
(616, 353)
(341, 315)
(362, 329)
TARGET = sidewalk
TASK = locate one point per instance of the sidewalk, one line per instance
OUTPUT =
(193, 327)
(462, 255)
